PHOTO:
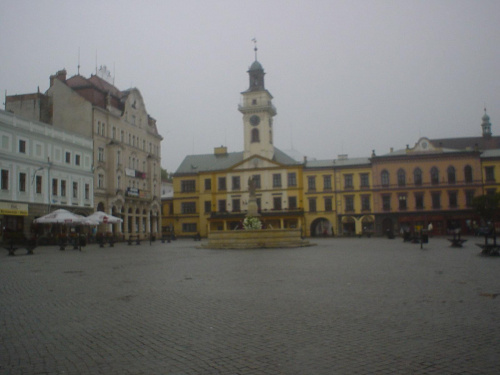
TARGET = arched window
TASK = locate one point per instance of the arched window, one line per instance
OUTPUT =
(401, 177)
(255, 135)
(434, 176)
(417, 176)
(451, 175)
(384, 178)
(468, 173)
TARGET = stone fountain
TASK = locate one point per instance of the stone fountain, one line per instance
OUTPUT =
(255, 238)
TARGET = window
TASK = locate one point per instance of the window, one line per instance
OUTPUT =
(451, 175)
(208, 207)
(292, 203)
(63, 188)
(311, 183)
(401, 177)
(452, 199)
(419, 201)
(436, 200)
(349, 203)
(469, 196)
(114, 132)
(490, 174)
(122, 136)
(292, 179)
(77, 159)
(189, 227)
(434, 176)
(348, 181)
(402, 201)
(188, 207)
(188, 186)
(386, 202)
(276, 203)
(256, 179)
(327, 182)
(5, 179)
(22, 182)
(236, 182)
(100, 181)
(328, 204)
(236, 205)
(87, 191)
(100, 154)
(468, 174)
(55, 183)
(67, 157)
(276, 180)
(208, 184)
(417, 176)
(255, 136)
(222, 183)
(365, 180)
(75, 189)
(312, 204)
(384, 178)
(38, 184)
(365, 203)
(222, 205)
(22, 146)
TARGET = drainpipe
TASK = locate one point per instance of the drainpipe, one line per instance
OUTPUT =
(49, 164)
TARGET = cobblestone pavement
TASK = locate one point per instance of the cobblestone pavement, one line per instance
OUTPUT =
(345, 306)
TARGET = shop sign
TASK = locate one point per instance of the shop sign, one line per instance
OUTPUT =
(130, 172)
(133, 192)
(14, 209)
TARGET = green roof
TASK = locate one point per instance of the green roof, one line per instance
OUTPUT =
(212, 162)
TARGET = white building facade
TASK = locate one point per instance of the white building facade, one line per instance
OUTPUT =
(42, 168)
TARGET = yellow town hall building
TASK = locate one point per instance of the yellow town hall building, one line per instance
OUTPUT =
(432, 182)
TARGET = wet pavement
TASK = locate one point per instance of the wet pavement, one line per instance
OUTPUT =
(344, 306)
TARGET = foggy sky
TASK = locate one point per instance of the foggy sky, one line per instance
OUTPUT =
(347, 76)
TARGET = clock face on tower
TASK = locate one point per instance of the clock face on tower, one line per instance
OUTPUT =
(255, 120)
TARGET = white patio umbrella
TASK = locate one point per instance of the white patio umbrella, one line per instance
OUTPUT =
(61, 216)
(104, 218)
(86, 220)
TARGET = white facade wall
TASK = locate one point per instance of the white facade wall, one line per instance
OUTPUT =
(45, 155)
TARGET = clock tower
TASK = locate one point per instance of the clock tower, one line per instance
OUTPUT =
(258, 112)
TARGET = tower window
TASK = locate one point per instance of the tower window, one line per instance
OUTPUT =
(254, 101)
(255, 136)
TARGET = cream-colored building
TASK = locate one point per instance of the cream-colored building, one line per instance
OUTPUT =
(126, 142)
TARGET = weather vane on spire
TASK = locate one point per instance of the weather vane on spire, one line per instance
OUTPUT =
(254, 40)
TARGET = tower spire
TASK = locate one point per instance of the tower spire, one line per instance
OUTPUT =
(254, 40)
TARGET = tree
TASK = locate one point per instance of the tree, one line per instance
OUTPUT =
(488, 208)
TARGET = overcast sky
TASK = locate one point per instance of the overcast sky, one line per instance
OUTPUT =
(347, 76)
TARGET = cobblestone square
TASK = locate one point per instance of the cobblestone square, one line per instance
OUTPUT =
(344, 306)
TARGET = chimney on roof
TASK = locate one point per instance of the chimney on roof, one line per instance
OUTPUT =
(60, 75)
(220, 151)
